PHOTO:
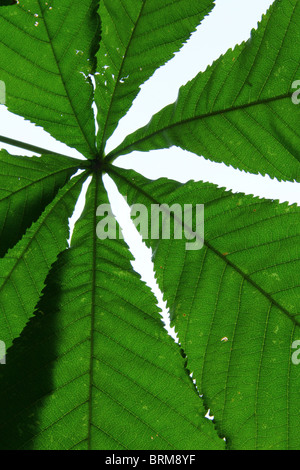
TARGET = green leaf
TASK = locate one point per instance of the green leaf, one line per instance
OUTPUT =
(27, 186)
(103, 372)
(240, 111)
(47, 53)
(25, 267)
(235, 304)
(89, 364)
(138, 36)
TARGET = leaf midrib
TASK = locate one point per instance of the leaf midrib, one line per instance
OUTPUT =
(122, 150)
(93, 312)
(92, 150)
(32, 183)
(33, 237)
(103, 136)
(34, 148)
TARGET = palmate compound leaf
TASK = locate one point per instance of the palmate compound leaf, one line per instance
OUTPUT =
(27, 186)
(138, 36)
(47, 52)
(235, 304)
(96, 369)
(243, 109)
(24, 268)
(72, 386)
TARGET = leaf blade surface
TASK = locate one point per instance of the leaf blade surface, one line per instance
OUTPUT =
(235, 305)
